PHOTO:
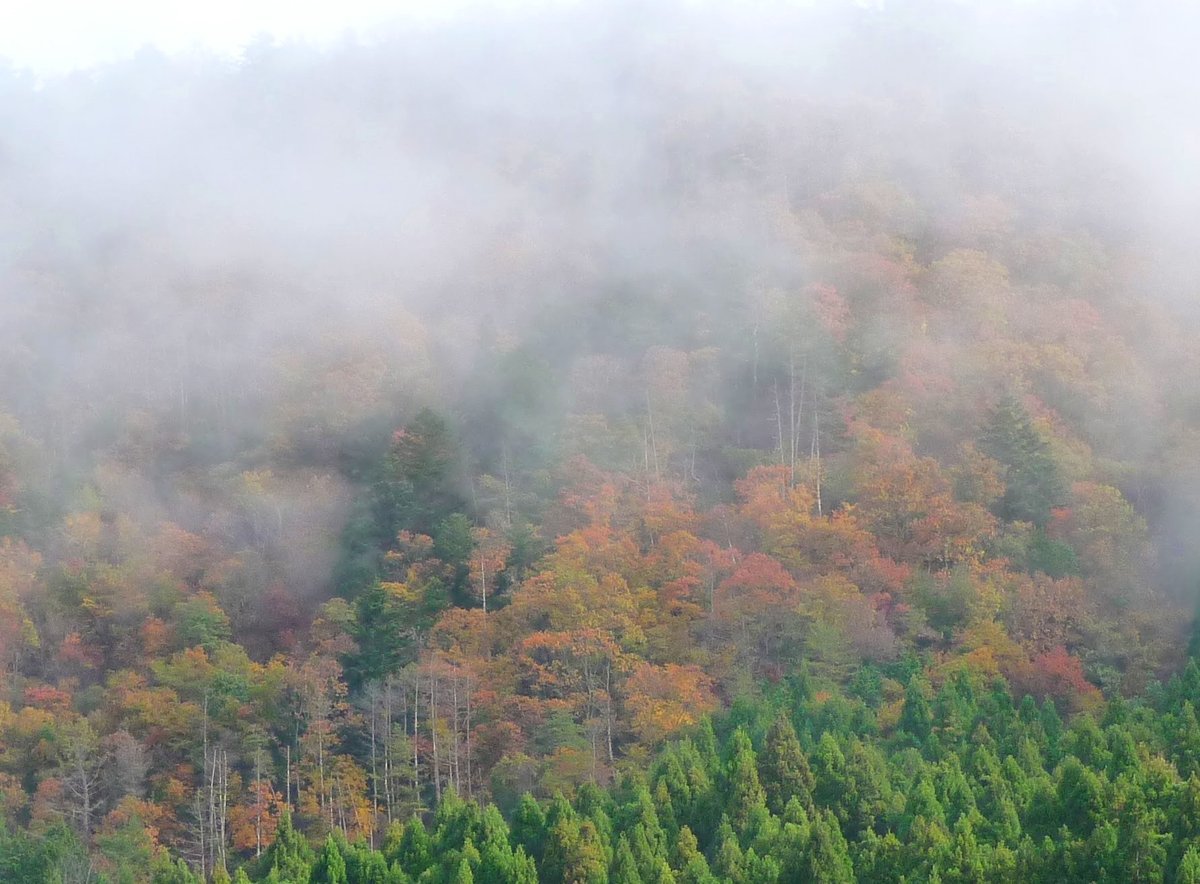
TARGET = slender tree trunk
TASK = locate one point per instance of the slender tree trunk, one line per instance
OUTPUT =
(796, 409)
(455, 780)
(206, 806)
(416, 757)
(223, 809)
(653, 441)
(374, 768)
(815, 459)
(608, 711)
(387, 750)
(779, 426)
(507, 490)
(754, 370)
(437, 768)
(258, 802)
(467, 728)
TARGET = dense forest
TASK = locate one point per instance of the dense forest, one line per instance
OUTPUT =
(605, 445)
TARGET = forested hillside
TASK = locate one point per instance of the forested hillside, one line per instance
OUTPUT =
(604, 445)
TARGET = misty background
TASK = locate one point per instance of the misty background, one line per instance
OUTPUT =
(225, 282)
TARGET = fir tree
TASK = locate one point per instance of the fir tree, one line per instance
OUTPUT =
(784, 768)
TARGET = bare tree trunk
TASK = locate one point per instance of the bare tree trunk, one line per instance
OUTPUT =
(416, 757)
(223, 809)
(754, 371)
(608, 710)
(374, 768)
(206, 799)
(653, 441)
(815, 459)
(387, 750)
(455, 780)
(82, 781)
(437, 769)
(507, 491)
(323, 797)
(258, 802)
(468, 735)
(212, 791)
(779, 425)
(796, 410)
(198, 809)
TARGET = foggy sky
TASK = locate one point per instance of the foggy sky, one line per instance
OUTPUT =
(205, 241)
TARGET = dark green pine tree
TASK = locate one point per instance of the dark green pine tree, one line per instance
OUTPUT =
(574, 853)
(290, 858)
(784, 769)
(828, 855)
(1052, 727)
(745, 803)
(647, 838)
(706, 745)
(382, 636)
(463, 875)
(424, 474)
(877, 860)
(693, 867)
(922, 806)
(966, 860)
(761, 869)
(499, 863)
(1189, 867)
(453, 544)
(661, 874)
(529, 827)
(1080, 797)
(1096, 858)
(1142, 837)
(728, 859)
(1189, 682)
(524, 869)
(643, 851)
(165, 872)
(624, 866)
(1032, 482)
(870, 792)
(916, 718)
(330, 867)
(1185, 742)
(414, 853)
(364, 865)
(829, 772)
